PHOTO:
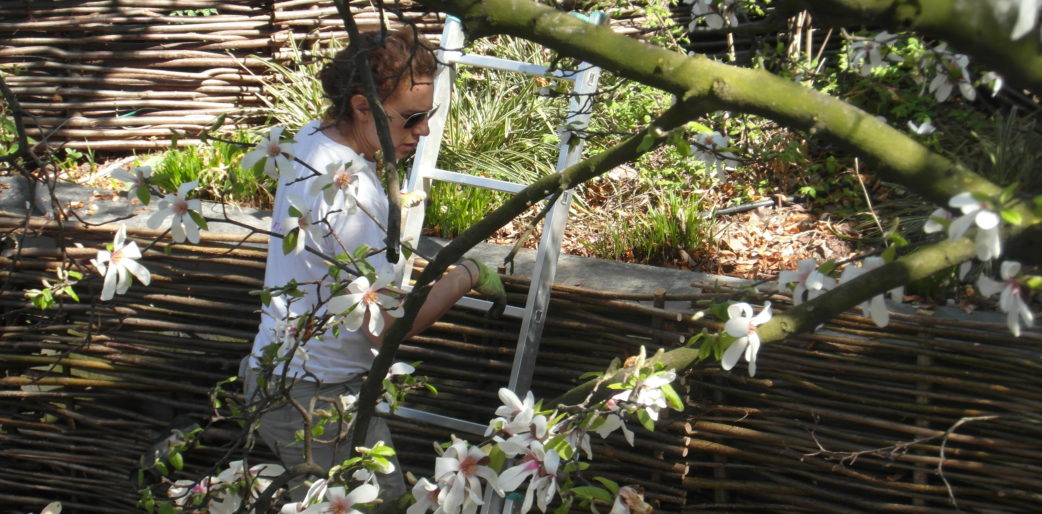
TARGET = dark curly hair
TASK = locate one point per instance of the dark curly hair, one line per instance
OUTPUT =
(394, 55)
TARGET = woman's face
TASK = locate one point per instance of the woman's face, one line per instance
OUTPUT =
(410, 100)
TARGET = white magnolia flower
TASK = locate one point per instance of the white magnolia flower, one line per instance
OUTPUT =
(278, 155)
(994, 81)
(178, 207)
(708, 149)
(119, 264)
(611, 423)
(339, 501)
(365, 298)
(874, 308)
(137, 179)
(307, 226)
(538, 465)
(1011, 299)
(808, 281)
(649, 394)
(630, 500)
(426, 494)
(951, 72)
(867, 54)
(286, 338)
(923, 129)
(742, 324)
(458, 472)
(515, 415)
(339, 177)
(975, 212)
(52, 508)
(716, 13)
(522, 435)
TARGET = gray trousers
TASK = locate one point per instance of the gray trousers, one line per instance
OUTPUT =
(279, 426)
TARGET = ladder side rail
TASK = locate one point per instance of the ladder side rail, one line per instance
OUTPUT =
(550, 242)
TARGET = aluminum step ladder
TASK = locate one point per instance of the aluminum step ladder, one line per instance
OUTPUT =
(424, 171)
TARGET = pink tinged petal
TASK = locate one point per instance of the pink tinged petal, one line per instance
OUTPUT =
(737, 327)
(1009, 269)
(964, 269)
(376, 320)
(739, 310)
(611, 423)
(1027, 14)
(959, 226)
(932, 225)
(177, 231)
(627, 433)
(109, 288)
(988, 244)
(363, 494)
(750, 352)
(733, 353)
(444, 466)
(965, 202)
(968, 91)
(157, 218)
(987, 219)
(251, 158)
(1013, 323)
(878, 312)
(192, 231)
(186, 187)
(764, 316)
(140, 272)
(359, 285)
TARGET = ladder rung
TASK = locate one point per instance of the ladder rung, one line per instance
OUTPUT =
(473, 180)
(430, 418)
(509, 65)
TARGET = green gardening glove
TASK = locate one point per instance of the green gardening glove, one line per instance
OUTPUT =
(491, 288)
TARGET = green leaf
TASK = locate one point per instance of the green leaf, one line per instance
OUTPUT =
(1038, 205)
(294, 212)
(1034, 282)
(612, 485)
(827, 266)
(889, 254)
(719, 311)
(289, 243)
(72, 294)
(645, 420)
(75, 274)
(265, 297)
(590, 492)
(382, 451)
(144, 195)
(198, 219)
(176, 460)
(1007, 192)
(672, 398)
(496, 459)
(162, 468)
(1012, 217)
(217, 123)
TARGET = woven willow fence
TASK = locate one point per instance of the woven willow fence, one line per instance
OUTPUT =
(849, 418)
(122, 75)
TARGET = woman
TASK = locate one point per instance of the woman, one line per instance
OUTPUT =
(346, 139)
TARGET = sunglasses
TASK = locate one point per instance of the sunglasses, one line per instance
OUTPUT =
(416, 118)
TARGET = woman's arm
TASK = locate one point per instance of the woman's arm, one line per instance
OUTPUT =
(444, 294)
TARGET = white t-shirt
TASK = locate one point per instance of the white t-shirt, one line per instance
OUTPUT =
(330, 358)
